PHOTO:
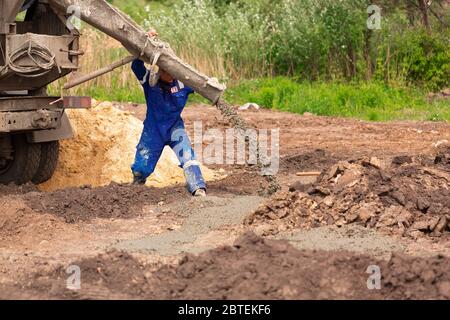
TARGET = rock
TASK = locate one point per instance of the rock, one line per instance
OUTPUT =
(249, 106)
(283, 213)
(272, 216)
(328, 201)
(399, 160)
(435, 208)
(433, 222)
(320, 190)
(399, 197)
(351, 217)
(341, 222)
(421, 225)
(428, 276)
(404, 217)
(264, 229)
(364, 213)
(441, 225)
(386, 220)
(395, 215)
(377, 163)
(349, 179)
(415, 234)
(440, 142)
(423, 204)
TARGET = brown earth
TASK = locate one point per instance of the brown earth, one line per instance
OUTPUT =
(382, 198)
(253, 268)
(112, 201)
(404, 195)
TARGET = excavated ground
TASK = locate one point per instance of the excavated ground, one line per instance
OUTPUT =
(382, 200)
(248, 270)
(408, 196)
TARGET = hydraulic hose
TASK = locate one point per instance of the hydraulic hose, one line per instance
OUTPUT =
(41, 56)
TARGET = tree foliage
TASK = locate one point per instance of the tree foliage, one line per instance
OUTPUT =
(315, 39)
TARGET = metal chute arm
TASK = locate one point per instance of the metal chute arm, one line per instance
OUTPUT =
(104, 17)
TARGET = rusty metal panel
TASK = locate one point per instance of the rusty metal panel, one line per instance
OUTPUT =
(77, 102)
(28, 103)
(30, 120)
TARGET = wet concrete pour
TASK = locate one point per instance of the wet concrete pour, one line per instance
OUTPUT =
(203, 215)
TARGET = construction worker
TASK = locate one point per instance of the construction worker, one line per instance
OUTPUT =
(166, 98)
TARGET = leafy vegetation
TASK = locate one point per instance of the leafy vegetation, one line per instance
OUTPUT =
(296, 55)
(310, 39)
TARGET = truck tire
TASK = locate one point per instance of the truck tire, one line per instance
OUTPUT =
(26, 158)
(48, 162)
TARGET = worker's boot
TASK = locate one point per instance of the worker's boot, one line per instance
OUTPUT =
(138, 180)
(199, 193)
(194, 179)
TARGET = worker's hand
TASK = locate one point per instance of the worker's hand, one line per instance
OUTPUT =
(152, 33)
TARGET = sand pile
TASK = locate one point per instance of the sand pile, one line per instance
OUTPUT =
(402, 195)
(103, 150)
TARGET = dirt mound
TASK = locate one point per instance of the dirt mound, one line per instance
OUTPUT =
(417, 278)
(402, 195)
(103, 150)
(443, 154)
(113, 275)
(247, 181)
(318, 159)
(20, 224)
(112, 201)
(253, 268)
(15, 189)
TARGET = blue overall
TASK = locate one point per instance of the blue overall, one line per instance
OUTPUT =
(163, 126)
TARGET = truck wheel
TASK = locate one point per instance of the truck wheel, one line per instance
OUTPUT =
(48, 162)
(24, 163)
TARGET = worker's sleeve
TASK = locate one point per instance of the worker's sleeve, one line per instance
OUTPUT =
(189, 90)
(140, 70)
(185, 88)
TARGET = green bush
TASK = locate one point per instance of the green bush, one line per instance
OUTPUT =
(426, 59)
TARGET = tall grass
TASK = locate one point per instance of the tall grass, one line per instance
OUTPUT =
(370, 101)
(308, 39)
(224, 44)
(236, 42)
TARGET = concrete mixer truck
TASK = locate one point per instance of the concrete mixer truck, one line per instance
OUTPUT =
(43, 47)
